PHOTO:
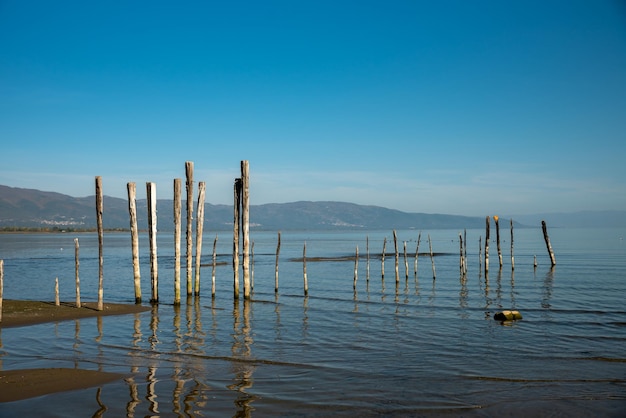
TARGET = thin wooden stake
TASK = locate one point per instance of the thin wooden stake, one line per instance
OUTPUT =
(356, 268)
(276, 267)
(406, 264)
(199, 231)
(252, 266)
(57, 301)
(496, 219)
(189, 184)
(76, 268)
(461, 255)
(245, 220)
(535, 261)
(177, 233)
(512, 256)
(367, 250)
(306, 281)
(382, 259)
(417, 250)
(152, 234)
(480, 253)
(236, 220)
(487, 244)
(134, 237)
(214, 264)
(548, 245)
(99, 210)
(2, 286)
(395, 246)
(432, 259)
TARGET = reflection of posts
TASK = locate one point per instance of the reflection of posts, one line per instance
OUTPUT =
(241, 349)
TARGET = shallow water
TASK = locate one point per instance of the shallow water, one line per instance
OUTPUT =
(419, 348)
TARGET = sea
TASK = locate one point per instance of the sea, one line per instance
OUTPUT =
(362, 341)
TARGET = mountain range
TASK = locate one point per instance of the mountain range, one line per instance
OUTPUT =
(30, 208)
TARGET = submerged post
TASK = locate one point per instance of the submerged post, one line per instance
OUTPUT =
(134, 237)
(486, 244)
(512, 257)
(189, 184)
(236, 220)
(548, 245)
(177, 232)
(276, 267)
(199, 231)
(99, 210)
(152, 234)
(245, 220)
(76, 268)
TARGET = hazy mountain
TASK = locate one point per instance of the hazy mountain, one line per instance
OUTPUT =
(34, 208)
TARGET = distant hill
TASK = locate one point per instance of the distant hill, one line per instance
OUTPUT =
(39, 209)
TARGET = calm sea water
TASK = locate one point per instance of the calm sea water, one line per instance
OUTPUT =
(418, 347)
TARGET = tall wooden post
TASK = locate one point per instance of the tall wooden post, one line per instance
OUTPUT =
(76, 268)
(417, 250)
(367, 250)
(406, 264)
(461, 255)
(236, 220)
(245, 220)
(214, 264)
(306, 280)
(487, 244)
(189, 184)
(496, 219)
(395, 246)
(512, 257)
(99, 210)
(199, 231)
(134, 237)
(548, 245)
(276, 266)
(152, 234)
(356, 267)
(382, 258)
(432, 259)
(177, 233)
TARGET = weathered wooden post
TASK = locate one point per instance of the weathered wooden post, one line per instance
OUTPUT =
(432, 259)
(214, 264)
(199, 231)
(480, 253)
(512, 257)
(367, 250)
(76, 268)
(406, 264)
(487, 244)
(417, 250)
(177, 232)
(252, 266)
(465, 251)
(535, 261)
(306, 281)
(496, 220)
(276, 267)
(99, 210)
(2, 286)
(189, 184)
(57, 301)
(548, 245)
(152, 234)
(245, 220)
(134, 237)
(236, 220)
(461, 255)
(395, 246)
(356, 267)
(382, 259)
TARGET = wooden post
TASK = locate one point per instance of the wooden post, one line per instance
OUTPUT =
(57, 301)
(236, 219)
(461, 255)
(134, 237)
(395, 246)
(252, 266)
(512, 257)
(547, 239)
(99, 210)
(199, 231)
(276, 266)
(367, 250)
(189, 184)
(465, 251)
(432, 259)
(382, 262)
(496, 219)
(2, 286)
(480, 253)
(417, 249)
(487, 244)
(76, 268)
(406, 264)
(535, 261)
(245, 220)
(177, 233)
(152, 234)
(306, 281)
(214, 264)
(356, 267)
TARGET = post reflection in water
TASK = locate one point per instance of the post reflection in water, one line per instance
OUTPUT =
(241, 349)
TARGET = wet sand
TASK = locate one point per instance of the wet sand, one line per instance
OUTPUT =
(27, 383)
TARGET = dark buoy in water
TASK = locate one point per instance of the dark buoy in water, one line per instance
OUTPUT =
(507, 316)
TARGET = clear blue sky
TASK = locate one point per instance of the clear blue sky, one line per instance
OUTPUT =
(459, 107)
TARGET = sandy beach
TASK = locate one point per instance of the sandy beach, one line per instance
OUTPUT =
(27, 383)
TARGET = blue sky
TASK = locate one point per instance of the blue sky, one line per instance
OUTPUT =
(459, 107)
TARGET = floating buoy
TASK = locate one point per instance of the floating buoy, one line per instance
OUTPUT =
(507, 316)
